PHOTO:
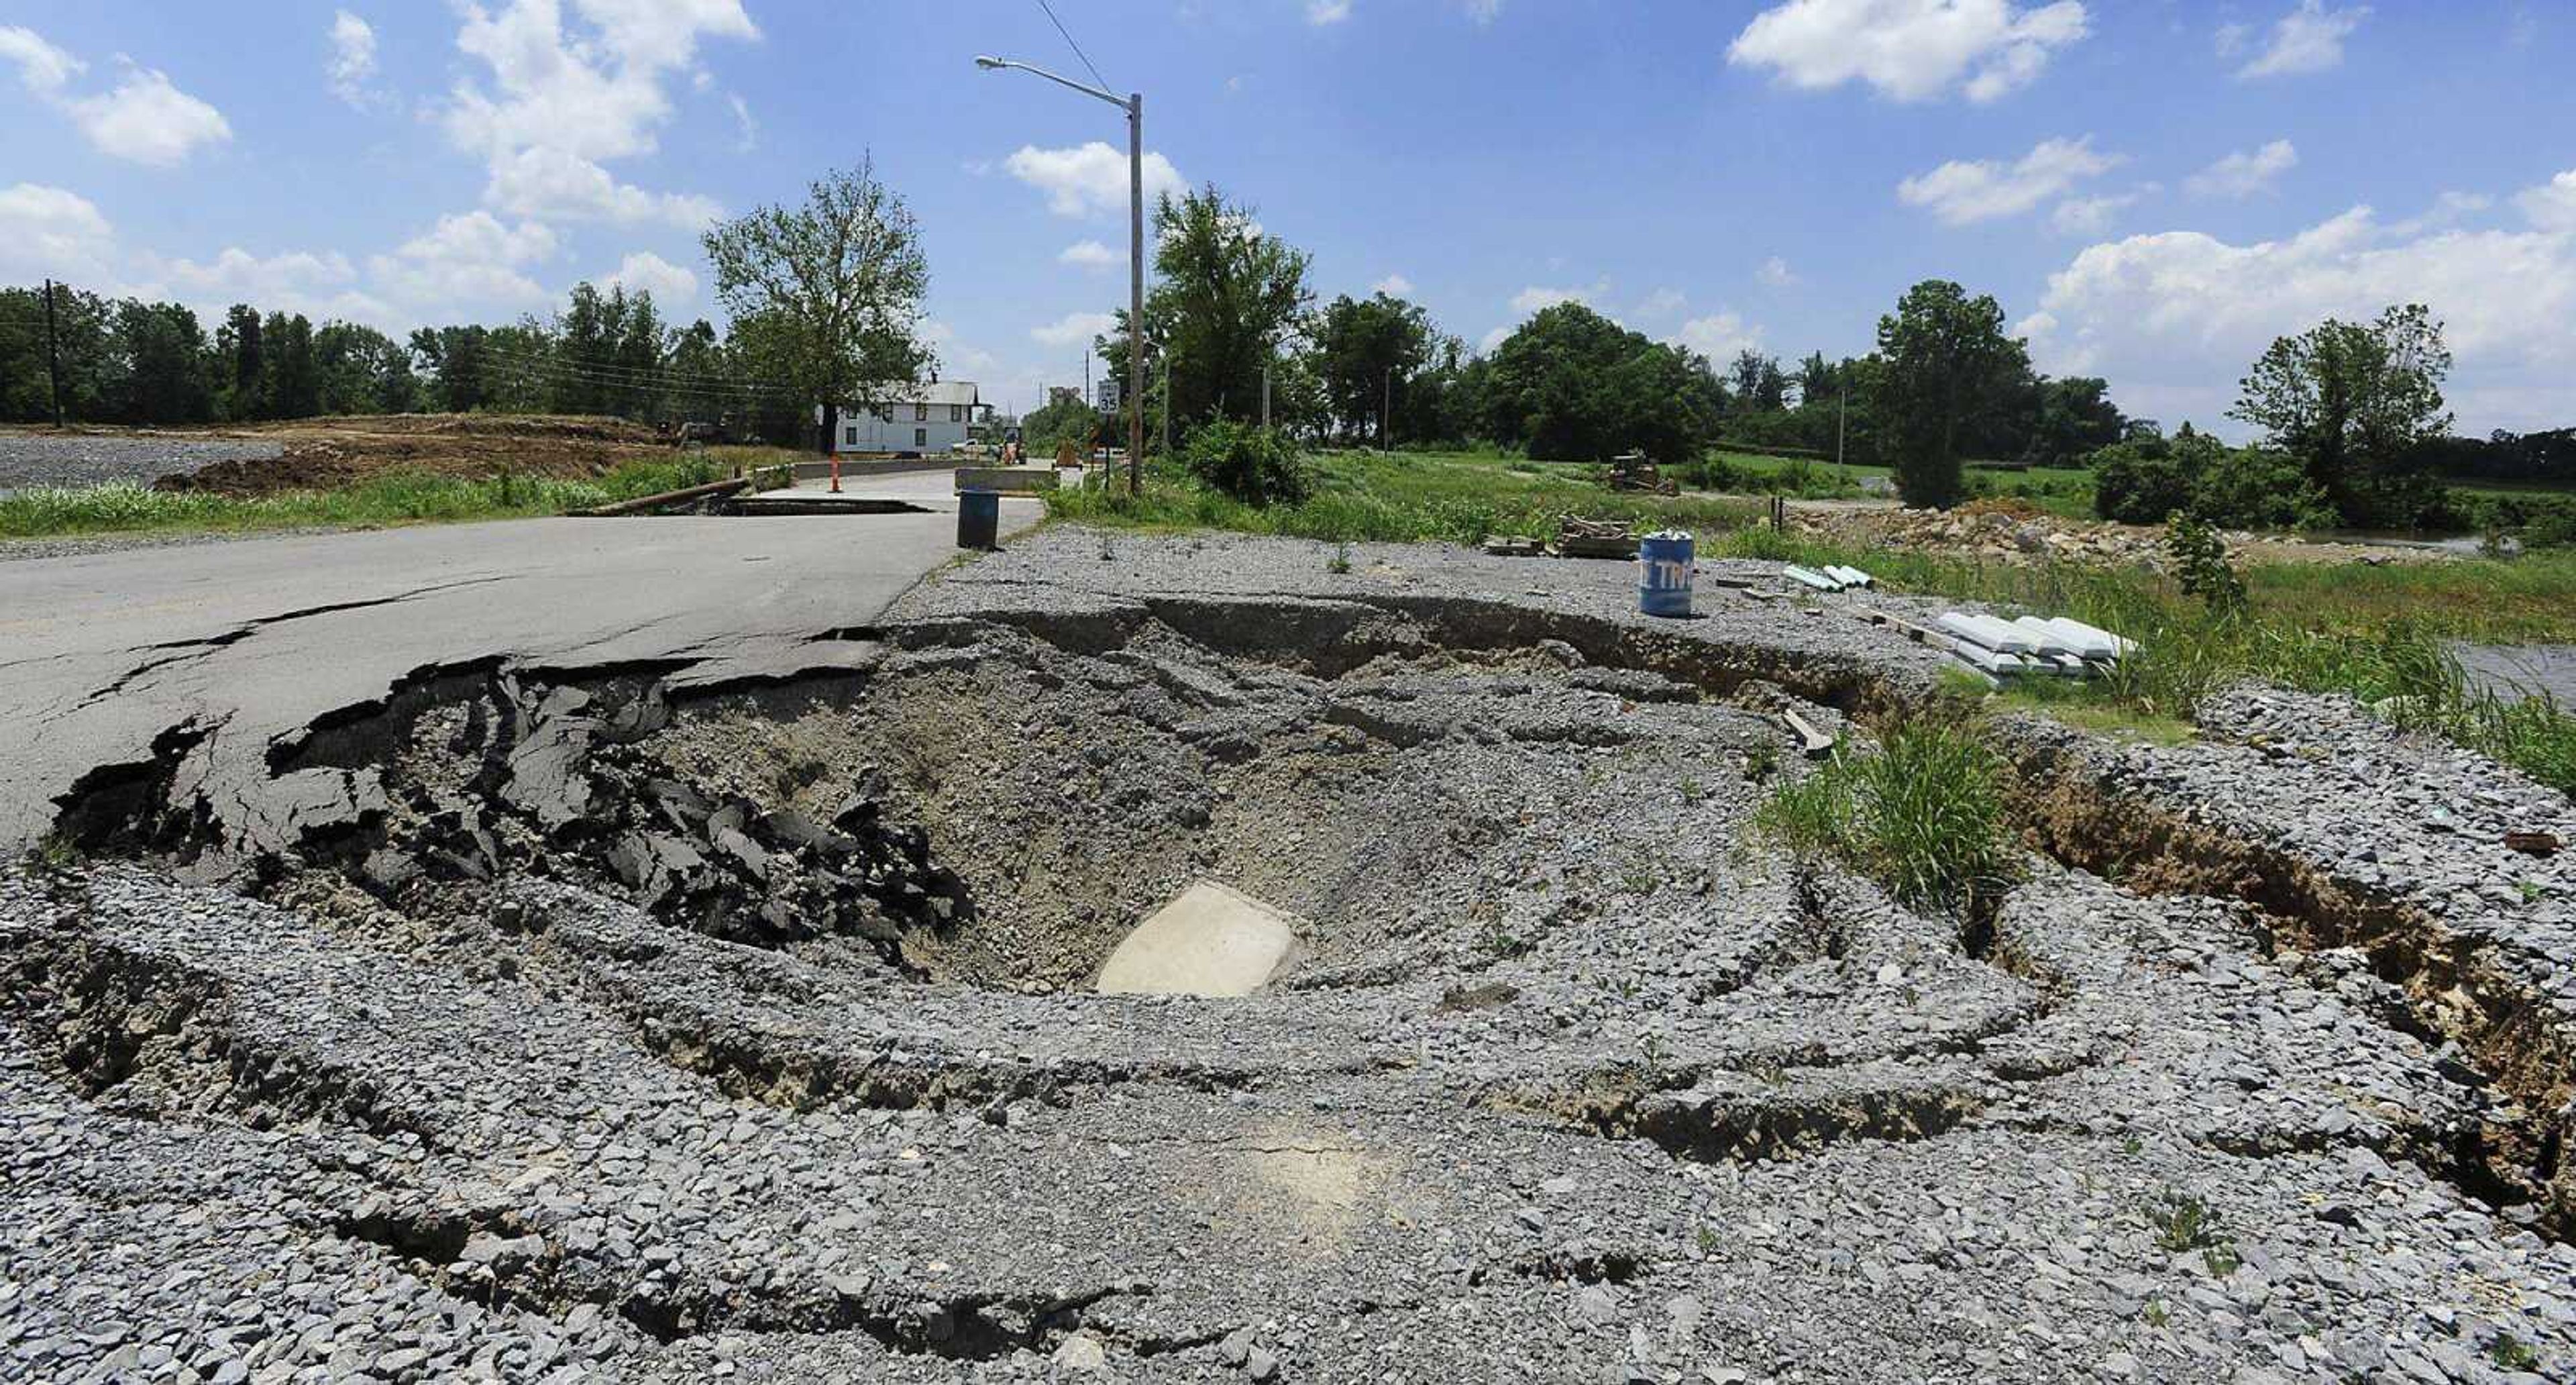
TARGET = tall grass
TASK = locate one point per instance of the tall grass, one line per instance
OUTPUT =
(1923, 815)
(1403, 498)
(389, 499)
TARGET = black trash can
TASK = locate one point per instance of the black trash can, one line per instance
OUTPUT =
(979, 519)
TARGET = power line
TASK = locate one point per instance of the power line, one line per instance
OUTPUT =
(667, 372)
(1076, 47)
(634, 376)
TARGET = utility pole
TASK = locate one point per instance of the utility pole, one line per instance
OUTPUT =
(53, 356)
(1842, 421)
(1386, 412)
(1134, 104)
(1167, 402)
(1265, 392)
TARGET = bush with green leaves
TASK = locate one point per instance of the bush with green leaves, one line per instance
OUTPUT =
(1923, 815)
(1256, 465)
(2200, 563)
(2139, 482)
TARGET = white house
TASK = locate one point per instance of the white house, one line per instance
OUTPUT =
(911, 418)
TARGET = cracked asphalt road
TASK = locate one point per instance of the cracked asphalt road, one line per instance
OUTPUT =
(99, 654)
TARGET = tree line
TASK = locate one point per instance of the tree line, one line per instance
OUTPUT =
(606, 352)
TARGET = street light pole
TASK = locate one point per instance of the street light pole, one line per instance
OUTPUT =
(1133, 103)
(1136, 293)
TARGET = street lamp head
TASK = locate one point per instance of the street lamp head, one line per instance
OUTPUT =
(990, 64)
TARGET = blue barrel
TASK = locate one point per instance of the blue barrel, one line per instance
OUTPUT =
(1664, 573)
(979, 519)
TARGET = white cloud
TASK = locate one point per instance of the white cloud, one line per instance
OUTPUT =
(1663, 302)
(2231, 39)
(2173, 318)
(318, 285)
(1719, 335)
(1090, 178)
(1073, 329)
(353, 57)
(2307, 39)
(2551, 206)
(1963, 192)
(2091, 216)
(551, 184)
(646, 271)
(1495, 338)
(562, 101)
(747, 130)
(53, 231)
(1327, 11)
(146, 120)
(2245, 172)
(1775, 273)
(1910, 50)
(469, 261)
(955, 356)
(1535, 297)
(1089, 254)
(1483, 11)
(1393, 286)
(41, 66)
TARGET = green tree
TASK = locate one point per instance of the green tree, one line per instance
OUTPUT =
(242, 368)
(1229, 297)
(1571, 385)
(1363, 348)
(837, 286)
(2353, 403)
(2075, 417)
(161, 365)
(294, 378)
(1946, 361)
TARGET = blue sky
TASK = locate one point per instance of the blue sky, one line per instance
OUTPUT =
(2153, 190)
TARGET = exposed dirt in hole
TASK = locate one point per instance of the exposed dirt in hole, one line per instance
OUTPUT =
(666, 1042)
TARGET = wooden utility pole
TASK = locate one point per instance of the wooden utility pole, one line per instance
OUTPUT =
(53, 356)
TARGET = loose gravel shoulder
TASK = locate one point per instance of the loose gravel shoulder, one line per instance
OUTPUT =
(31, 460)
(557, 1024)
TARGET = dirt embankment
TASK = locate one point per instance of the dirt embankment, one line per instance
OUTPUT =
(323, 453)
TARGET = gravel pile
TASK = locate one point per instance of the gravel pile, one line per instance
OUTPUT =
(29, 461)
(1580, 1079)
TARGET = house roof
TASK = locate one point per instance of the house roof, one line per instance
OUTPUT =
(934, 392)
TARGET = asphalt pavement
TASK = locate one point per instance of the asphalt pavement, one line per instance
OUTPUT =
(244, 643)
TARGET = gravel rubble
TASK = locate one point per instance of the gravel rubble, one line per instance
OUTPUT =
(521, 1048)
(29, 461)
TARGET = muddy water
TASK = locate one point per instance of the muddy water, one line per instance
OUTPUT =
(2518, 671)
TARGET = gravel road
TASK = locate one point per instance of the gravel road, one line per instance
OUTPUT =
(28, 461)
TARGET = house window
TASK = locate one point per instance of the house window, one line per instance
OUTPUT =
(921, 413)
(849, 437)
(921, 437)
(957, 413)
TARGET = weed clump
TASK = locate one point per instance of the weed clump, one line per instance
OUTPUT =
(1923, 816)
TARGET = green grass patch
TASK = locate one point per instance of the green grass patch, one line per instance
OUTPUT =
(390, 499)
(1923, 815)
(1403, 497)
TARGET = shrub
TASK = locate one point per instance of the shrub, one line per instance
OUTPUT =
(2258, 488)
(1256, 465)
(2200, 563)
(2139, 482)
(1923, 816)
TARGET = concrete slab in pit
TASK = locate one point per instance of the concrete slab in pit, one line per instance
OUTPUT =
(1209, 941)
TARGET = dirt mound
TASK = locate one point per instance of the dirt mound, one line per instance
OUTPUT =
(326, 453)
